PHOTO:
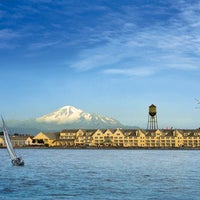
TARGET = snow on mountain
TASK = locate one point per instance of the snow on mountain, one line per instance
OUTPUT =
(70, 114)
(67, 117)
(102, 119)
(66, 114)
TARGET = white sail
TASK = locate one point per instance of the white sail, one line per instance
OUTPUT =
(8, 142)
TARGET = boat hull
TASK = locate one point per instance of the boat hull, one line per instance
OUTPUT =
(18, 162)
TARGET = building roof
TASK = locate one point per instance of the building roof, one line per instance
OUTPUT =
(70, 130)
(52, 136)
(130, 132)
(19, 137)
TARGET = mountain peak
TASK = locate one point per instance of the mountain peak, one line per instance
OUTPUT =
(68, 107)
(66, 114)
(71, 114)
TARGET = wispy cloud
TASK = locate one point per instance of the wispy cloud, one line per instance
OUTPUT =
(42, 45)
(173, 45)
(7, 38)
(131, 72)
(6, 34)
(132, 39)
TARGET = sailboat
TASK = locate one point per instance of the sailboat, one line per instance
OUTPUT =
(16, 161)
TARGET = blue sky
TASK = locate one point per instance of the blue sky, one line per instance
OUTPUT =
(111, 57)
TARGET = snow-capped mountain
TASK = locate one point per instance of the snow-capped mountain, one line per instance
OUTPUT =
(70, 115)
(67, 117)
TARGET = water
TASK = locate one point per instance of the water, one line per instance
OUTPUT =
(101, 174)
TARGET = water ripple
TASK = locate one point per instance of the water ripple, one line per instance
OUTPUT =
(97, 174)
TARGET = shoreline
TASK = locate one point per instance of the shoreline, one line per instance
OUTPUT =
(101, 148)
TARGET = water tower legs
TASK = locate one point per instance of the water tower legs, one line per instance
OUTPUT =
(152, 123)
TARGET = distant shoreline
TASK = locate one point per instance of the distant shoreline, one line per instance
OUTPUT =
(101, 148)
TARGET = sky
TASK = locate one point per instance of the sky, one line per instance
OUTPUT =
(114, 58)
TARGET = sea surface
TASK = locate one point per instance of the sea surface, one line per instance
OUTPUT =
(101, 174)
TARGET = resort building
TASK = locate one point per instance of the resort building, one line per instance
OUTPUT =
(72, 138)
(1, 141)
(47, 139)
(133, 138)
(105, 138)
(21, 140)
(17, 140)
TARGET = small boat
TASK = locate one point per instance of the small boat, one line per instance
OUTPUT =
(16, 161)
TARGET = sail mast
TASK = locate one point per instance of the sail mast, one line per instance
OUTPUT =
(8, 142)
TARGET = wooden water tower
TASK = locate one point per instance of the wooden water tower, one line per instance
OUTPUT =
(152, 118)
